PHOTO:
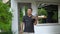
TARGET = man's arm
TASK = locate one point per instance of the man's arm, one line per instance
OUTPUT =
(22, 24)
(21, 30)
(35, 20)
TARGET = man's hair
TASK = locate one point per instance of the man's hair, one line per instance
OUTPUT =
(30, 8)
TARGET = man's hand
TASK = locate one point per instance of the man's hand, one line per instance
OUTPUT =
(21, 31)
(35, 22)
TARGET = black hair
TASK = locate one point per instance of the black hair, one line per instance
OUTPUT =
(30, 8)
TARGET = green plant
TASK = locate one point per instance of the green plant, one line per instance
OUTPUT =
(9, 3)
(21, 13)
(0, 0)
(5, 17)
(42, 11)
(8, 32)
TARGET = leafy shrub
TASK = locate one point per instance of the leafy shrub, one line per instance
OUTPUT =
(5, 17)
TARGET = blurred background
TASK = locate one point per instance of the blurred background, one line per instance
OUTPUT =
(12, 12)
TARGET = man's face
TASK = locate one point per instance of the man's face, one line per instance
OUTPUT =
(29, 11)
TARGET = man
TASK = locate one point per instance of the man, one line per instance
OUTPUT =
(28, 21)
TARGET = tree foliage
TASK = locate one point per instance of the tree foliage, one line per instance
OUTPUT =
(5, 17)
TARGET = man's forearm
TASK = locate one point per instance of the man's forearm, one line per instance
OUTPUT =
(21, 27)
(35, 21)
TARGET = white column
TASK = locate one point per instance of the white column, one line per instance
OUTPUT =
(15, 16)
(59, 13)
(34, 7)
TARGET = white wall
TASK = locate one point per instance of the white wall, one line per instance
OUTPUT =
(15, 17)
(34, 7)
(47, 29)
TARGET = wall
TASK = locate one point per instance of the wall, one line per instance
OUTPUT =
(53, 1)
(47, 29)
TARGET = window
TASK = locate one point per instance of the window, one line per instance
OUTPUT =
(48, 13)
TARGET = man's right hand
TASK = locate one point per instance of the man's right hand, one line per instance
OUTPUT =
(21, 31)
